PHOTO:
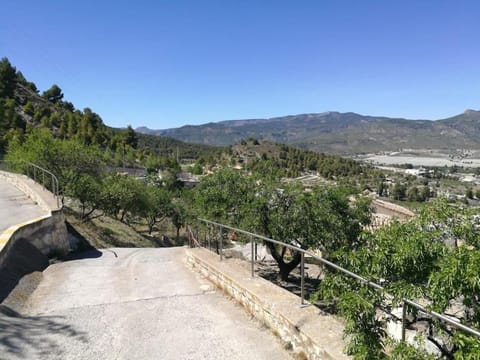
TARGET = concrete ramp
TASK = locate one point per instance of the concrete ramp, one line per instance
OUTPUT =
(131, 304)
(16, 207)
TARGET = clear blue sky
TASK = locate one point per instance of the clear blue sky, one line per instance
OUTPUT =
(169, 63)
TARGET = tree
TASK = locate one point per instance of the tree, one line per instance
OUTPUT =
(413, 194)
(28, 108)
(11, 123)
(420, 266)
(54, 94)
(196, 169)
(425, 193)
(178, 215)
(225, 197)
(381, 188)
(68, 160)
(324, 218)
(398, 191)
(156, 205)
(131, 138)
(87, 190)
(122, 195)
(8, 78)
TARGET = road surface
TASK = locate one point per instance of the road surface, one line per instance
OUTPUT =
(16, 207)
(132, 304)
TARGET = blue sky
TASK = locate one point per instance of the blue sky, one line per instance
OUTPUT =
(169, 63)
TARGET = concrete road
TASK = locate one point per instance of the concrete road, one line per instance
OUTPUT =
(16, 207)
(132, 304)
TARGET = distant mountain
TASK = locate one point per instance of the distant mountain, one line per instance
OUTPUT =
(341, 133)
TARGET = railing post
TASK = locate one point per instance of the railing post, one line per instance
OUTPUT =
(190, 241)
(221, 243)
(404, 319)
(252, 256)
(208, 237)
(256, 258)
(302, 275)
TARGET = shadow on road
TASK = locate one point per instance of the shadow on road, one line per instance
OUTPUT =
(88, 254)
(31, 336)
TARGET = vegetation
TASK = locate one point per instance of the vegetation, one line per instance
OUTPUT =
(413, 260)
(22, 109)
(284, 212)
(322, 219)
(419, 259)
(434, 258)
(286, 161)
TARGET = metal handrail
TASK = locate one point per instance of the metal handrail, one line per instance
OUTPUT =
(55, 189)
(406, 302)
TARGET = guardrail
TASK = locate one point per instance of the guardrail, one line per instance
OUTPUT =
(252, 236)
(38, 174)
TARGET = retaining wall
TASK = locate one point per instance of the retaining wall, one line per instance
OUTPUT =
(392, 210)
(303, 329)
(27, 246)
(33, 190)
(48, 234)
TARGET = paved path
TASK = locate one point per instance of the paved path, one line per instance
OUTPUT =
(132, 304)
(16, 207)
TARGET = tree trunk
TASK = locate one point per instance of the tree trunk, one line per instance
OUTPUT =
(285, 268)
(87, 214)
(151, 224)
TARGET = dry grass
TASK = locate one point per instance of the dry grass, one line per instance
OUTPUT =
(105, 232)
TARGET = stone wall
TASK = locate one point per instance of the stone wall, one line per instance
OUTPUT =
(302, 329)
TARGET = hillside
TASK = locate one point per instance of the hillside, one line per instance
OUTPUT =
(341, 133)
(23, 107)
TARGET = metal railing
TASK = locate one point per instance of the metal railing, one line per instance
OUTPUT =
(42, 176)
(406, 302)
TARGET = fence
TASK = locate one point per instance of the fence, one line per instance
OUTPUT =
(38, 174)
(406, 302)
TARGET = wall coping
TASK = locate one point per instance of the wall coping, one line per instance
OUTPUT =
(7, 234)
(322, 333)
(44, 198)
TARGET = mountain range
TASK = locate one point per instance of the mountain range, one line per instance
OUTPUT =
(340, 133)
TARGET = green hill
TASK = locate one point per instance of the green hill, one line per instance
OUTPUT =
(23, 107)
